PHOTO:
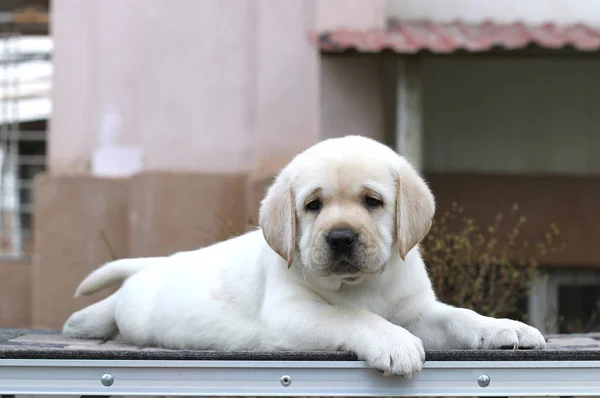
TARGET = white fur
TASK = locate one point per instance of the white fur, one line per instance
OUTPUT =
(240, 295)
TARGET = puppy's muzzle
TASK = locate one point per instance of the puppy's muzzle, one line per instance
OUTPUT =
(342, 241)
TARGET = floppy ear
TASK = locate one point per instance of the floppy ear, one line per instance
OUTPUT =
(415, 207)
(277, 218)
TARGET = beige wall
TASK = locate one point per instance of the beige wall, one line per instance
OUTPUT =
(286, 102)
(352, 97)
(215, 85)
(15, 294)
(530, 11)
(353, 14)
(81, 223)
(148, 215)
(170, 212)
(571, 203)
(176, 82)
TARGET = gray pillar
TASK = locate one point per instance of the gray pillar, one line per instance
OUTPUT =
(543, 304)
(409, 110)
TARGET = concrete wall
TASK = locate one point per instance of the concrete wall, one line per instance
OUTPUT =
(170, 212)
(571, 203)
(533, 11)
(209, 86)
(81, 223)
(355, 14)
(15, 294)
(85, 221)
(352, 97)
(175, 83)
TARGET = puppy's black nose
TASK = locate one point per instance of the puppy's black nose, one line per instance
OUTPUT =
(342, 240)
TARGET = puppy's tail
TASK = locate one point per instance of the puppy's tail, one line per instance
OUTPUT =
(114, 272)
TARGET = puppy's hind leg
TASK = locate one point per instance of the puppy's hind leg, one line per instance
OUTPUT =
(96, 321)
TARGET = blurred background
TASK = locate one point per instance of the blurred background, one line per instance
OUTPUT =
(144, 127)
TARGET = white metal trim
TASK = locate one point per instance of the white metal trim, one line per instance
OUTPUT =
(263, 378)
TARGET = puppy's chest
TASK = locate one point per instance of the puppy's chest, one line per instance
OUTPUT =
(376, 303)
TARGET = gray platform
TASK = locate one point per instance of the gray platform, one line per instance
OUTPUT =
(45, 362)
(40, 344)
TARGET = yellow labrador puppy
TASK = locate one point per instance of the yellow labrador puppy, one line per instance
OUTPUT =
(334, 266)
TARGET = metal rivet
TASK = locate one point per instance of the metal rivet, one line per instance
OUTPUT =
(107, 380)
(483, 381)
(286, 380)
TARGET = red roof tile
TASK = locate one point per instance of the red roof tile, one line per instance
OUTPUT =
(413, 36)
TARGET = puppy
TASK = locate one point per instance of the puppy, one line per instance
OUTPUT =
(334, 266)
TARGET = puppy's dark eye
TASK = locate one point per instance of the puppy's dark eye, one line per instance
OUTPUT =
(314, 205)
(373, 202)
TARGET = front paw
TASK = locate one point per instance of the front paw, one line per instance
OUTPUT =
(508, 334)
(393, 351)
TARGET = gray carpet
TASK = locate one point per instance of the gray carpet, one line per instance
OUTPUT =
(44, 344)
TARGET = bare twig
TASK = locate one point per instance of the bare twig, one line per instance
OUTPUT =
(113, 254)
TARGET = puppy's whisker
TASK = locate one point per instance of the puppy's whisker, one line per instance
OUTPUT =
(304, 274)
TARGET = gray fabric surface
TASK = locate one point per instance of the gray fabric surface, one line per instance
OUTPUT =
(45, 344)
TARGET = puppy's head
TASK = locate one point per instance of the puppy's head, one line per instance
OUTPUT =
(342, 207)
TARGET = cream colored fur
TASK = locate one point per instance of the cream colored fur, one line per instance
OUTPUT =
(281, 287)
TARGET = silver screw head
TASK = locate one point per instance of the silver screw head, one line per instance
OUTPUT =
(483, 381)
(285, 380)
(107, 380)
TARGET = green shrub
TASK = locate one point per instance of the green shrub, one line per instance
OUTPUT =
(488, 270)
